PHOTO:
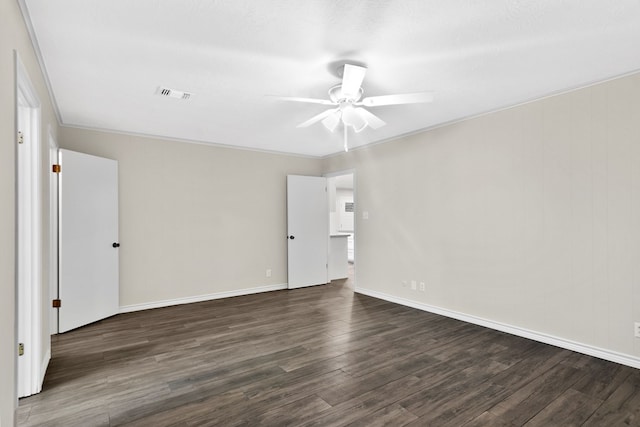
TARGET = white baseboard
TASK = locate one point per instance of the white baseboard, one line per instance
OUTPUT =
(200, 298)
(623, 359)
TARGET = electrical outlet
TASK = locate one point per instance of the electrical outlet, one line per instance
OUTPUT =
(636, 329)
(414, 285)
(423, 287)
(268, 272)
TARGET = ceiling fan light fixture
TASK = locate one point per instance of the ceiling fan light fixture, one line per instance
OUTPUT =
(351, 118)
(348, 103)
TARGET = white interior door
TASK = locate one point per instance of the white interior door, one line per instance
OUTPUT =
(29, 240)
(88, 287)
(308, 230)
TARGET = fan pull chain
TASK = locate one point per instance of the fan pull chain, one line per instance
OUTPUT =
(346, 146)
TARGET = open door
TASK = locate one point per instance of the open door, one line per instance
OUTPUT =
(88, 286)
(32, 356)
(308, 231)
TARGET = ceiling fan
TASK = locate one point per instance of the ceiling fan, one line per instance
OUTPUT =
(347, 98)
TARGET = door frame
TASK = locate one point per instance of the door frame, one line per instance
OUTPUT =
(355, 216)
(29, 367)
(54, 227)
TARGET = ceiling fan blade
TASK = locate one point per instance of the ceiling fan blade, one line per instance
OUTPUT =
(332, 120)
(372, 120)
(317, 118)
(404, 98)
(352, 80)
(308, 100)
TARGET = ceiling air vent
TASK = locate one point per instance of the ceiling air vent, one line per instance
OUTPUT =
(172, 93)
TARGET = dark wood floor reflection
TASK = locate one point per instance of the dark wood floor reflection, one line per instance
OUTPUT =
(320, 356)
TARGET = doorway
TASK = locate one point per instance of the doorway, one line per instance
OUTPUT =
(342, 218)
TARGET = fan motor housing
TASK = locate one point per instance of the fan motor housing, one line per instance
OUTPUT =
(336, 95)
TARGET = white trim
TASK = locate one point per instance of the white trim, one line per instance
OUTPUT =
(189, 141)
(29, 240)
(613, 356)
(36, 48)
(200, 298)
(54, 216)
(351, 171)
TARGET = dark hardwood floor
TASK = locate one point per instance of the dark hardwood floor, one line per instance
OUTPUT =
(320, 356)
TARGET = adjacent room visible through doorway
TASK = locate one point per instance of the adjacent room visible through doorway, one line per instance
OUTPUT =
(342, 224)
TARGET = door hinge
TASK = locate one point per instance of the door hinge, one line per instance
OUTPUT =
(56, 303)
(20, 349)
(56, 168)
(20, 137)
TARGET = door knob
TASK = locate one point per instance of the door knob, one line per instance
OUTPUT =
(116, 245)
(292, 237)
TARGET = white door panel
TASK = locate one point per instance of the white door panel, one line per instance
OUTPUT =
(89, 288)
(308, 230)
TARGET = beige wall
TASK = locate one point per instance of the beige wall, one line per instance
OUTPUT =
(195, 219)
(528, 216)
(14, 36)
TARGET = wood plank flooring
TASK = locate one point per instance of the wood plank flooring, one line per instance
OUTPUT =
(320, 356)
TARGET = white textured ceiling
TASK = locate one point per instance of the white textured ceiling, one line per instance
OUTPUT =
(106, 59)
